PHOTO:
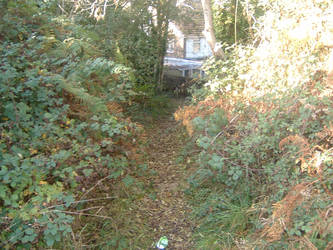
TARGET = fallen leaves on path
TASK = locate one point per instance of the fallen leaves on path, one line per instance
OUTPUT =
(167, 209)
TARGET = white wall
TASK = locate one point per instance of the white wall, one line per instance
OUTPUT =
(192, 51)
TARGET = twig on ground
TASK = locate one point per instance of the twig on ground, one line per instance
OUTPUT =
(81, 201)
(77, 213)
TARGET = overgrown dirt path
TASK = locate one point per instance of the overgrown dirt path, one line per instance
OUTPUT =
(168, 212)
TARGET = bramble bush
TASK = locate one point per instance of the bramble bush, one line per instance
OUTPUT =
(264, 130)
(59, 124)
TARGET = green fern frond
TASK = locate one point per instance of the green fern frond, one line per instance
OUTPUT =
(95, 104)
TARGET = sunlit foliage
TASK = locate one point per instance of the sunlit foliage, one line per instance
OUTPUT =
(264, 128)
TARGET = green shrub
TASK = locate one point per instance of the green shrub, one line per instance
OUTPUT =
(56, 130)
(263, 126)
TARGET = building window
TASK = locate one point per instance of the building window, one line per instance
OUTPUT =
(171, 46)
(196, 46)
(187, 73)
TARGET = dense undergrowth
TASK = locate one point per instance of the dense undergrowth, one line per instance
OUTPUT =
(63, 96)
(70, 159)
(263, 128)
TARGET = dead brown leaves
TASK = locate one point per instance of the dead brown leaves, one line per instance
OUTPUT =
(282, 213)
(114, 108)
(202, 109)
(166, 210)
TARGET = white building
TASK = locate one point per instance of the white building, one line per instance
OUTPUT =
(186, 40)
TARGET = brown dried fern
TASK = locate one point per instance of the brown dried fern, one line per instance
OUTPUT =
(282, 213)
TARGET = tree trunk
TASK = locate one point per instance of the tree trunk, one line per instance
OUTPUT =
(209, 28)
(162, 27)
(249, 16)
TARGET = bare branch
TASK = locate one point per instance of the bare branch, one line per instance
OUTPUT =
(84, 214)
(221, 132)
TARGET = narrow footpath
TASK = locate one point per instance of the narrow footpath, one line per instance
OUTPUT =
(168, 212)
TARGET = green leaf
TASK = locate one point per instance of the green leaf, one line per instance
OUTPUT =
(68, 200)
(28, 238)
(29, 231)
(49, 240)
(87, 172)
(3, 170)
(116, 174)
(48, 115)
(204, 142)
(128, 180)
(3, 190)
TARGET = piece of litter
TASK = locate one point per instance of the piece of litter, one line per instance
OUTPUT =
(162, 243)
